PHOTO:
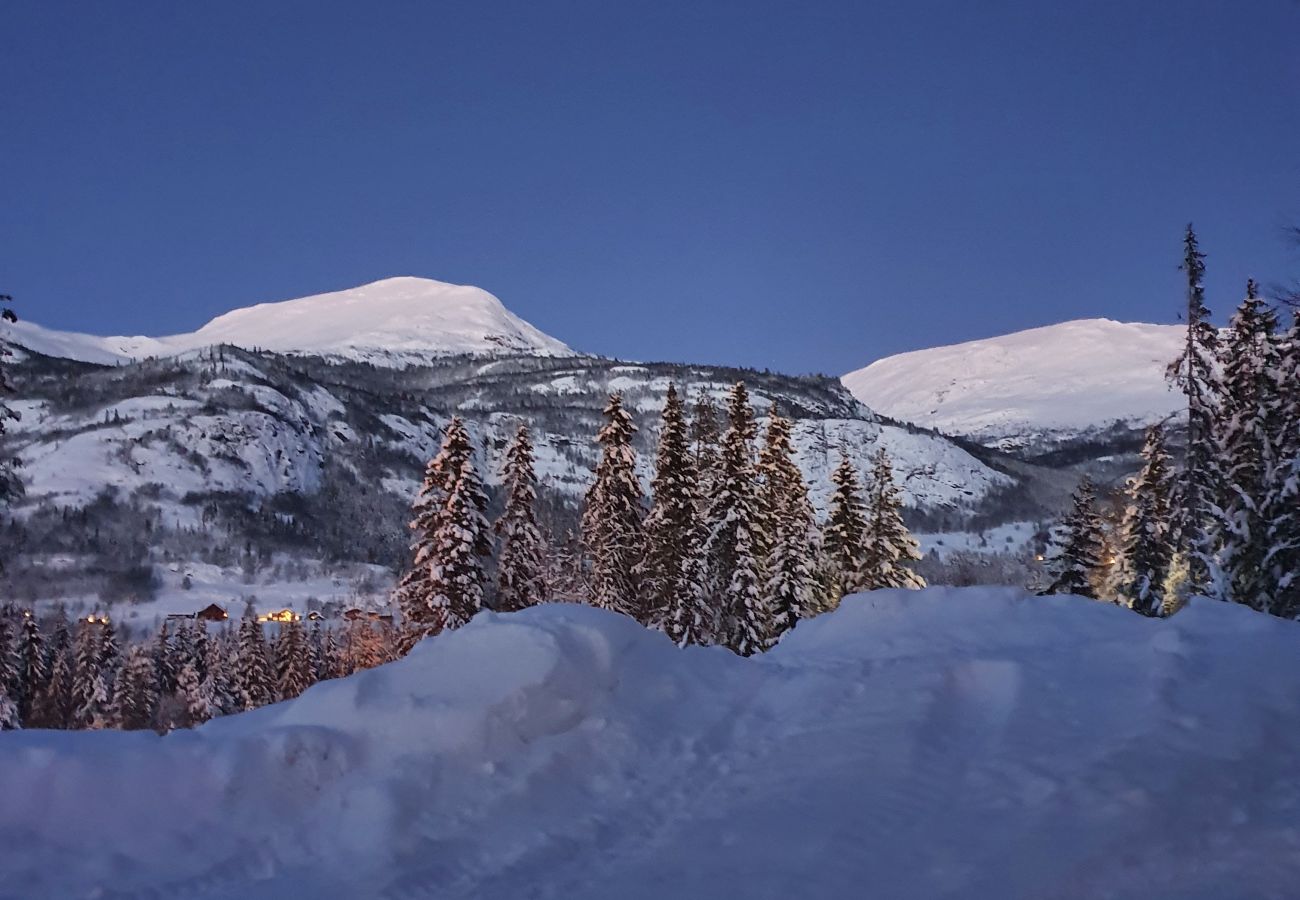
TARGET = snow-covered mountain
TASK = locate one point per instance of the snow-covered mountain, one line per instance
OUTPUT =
(396, 321)
(1053, 383)
(158, 454)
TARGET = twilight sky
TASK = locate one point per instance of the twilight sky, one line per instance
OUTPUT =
(803, 186)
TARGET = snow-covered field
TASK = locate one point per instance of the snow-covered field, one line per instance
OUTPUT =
(1013, 538)
(944, 743)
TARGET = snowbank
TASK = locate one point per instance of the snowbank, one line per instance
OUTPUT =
(949, 742)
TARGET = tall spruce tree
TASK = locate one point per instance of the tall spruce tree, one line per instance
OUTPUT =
(705, 437)
(135, 693)
(462, 546)
(11, 686)
(325, 653)
(1281, 499)
(164, 661)
(219, 680)
(33, 666)
(672, 571)
(522, 555)
(1195, 372)
(790, 526)
(54, 698)
(887, 545)
(735, 576)
(294, 672)
(90, 690)
(1079, 563)
(844, 535)
(193, 693)
(363, 646)
(254, 677)
(1245, 433)
(444, 586)
(1146, 549)
(612, 520)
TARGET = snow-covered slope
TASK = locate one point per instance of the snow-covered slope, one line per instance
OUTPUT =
(973, 743)
(390, 322)
(1059, 381)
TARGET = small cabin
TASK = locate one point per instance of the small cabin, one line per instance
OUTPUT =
(212, 613)
(280, 615)
(314, 616)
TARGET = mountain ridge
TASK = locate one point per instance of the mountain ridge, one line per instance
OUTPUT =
(394, 321)
(1053, 382)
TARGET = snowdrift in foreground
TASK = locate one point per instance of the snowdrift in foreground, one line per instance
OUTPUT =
(945, 743)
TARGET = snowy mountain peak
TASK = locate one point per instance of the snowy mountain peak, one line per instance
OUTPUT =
(399, 316)
(393, 321)
(1058, 380)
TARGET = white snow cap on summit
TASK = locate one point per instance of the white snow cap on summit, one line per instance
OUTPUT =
(1056, 380)
(393, 321)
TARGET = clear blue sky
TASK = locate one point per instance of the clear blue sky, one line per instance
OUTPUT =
(804, 186)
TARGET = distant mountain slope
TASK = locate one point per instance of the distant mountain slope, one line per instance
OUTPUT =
(1057, 382)
(395, 321)
(268, 461)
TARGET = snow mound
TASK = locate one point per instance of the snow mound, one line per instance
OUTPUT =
(396, 321)
(943, 743)
(1060, 380)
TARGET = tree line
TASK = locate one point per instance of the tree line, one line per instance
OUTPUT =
(1226, 523)
(727, 548)
(81, 675)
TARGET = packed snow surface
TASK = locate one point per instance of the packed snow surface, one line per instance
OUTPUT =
(945, 743)
(1058, 381)
(394, 321)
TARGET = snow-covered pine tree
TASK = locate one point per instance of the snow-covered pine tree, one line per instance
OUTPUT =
(33, 666)
(611, 521)
(135, 696)
(563, 570)
(9, 720)
(705, 436)
(1146, 550)
(164, 661)
(11, 686)
(193, 693)
(1281, 500)
(325, 653)
(735, 577)
(462, 545)
(363, 646)
(110, 654)
(887, 545)
(790, 526)
(54, 699)
(292, 661)
(90, 692)
(219, 682)
(844, 535)
(1198, 491)
(433, 583)
(523, 551)
(1244, 433)
(190, 645)
(1079, 563)
(254, 676)
(672, 568)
